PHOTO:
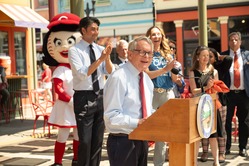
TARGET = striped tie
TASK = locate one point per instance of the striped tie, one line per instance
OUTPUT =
(141, 85)
(236, 71)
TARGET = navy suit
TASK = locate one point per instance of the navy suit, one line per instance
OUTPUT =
(239, 99)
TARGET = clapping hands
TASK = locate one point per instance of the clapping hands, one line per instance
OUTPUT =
(106, 52)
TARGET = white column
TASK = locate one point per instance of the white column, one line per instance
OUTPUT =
(223, 19)
(178, 23)
(159, 24)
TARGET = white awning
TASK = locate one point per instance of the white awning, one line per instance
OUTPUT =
(21, 16)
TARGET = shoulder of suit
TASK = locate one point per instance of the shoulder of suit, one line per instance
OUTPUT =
(117, 61)
(246, 52)
(245, 55)
(225, 52)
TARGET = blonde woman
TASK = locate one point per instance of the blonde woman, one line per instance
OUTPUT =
(163, 80)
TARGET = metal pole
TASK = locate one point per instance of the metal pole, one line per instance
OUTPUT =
(202, 22)
(52, 9)
(93, 6)
(154, 13)
(33, 65)
(88, 10)
(115, 42)
(77, 7)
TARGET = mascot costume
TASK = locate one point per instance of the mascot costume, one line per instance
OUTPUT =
(63, 33)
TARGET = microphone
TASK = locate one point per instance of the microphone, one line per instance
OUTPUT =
(176, 72)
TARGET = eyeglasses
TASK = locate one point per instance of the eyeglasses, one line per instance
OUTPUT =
(144, 53)
(172, 48)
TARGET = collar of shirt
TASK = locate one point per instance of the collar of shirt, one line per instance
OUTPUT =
(157, 54)
(80, 62)
(123, 60)
(237, 51)
(231, 70)
(132, 68)
(86, 44)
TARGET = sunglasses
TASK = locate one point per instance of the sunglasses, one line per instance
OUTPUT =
(172, 48)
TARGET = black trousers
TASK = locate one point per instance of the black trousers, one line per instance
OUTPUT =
(239, 99)
(5, 96)
(88, 108)
(124, 152)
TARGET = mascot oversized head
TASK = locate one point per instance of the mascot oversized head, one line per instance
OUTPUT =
(63, 33)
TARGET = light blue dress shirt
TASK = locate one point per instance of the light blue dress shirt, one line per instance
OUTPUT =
(122, 101)
(79, 60)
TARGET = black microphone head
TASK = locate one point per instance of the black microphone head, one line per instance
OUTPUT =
(175, 71)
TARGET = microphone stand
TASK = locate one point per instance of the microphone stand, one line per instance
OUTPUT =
(176, 71)
(202, 87)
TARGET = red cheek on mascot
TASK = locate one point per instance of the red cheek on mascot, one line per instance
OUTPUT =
(63, 33)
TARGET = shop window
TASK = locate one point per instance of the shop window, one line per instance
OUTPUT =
(4, 46)
(190, 29)
(67, 4)
(191, 38)
(4, 52)
(64, 5)
(213, 28)
(240, 24)
(43, 3)
(20, 52)
(170, 30)
(38, 38)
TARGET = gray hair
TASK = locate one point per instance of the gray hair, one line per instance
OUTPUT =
(234, 33)
(121, 43)
(133, 44)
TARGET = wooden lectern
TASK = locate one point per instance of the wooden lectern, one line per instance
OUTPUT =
(175, 122)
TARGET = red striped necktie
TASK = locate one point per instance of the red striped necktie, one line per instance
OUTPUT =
(236, 71)
(141, 85)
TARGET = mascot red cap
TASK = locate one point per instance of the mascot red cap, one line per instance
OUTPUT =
(64, 18)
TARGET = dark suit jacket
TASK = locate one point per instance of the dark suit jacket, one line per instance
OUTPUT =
(245, 57)
(117, 61)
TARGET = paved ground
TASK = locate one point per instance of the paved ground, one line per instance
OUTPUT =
(19, 148)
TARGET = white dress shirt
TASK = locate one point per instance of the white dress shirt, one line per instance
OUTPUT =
(231, 71)
(79, 59)
(122, 101)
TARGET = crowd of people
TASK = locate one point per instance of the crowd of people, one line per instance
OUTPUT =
(119, 95)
